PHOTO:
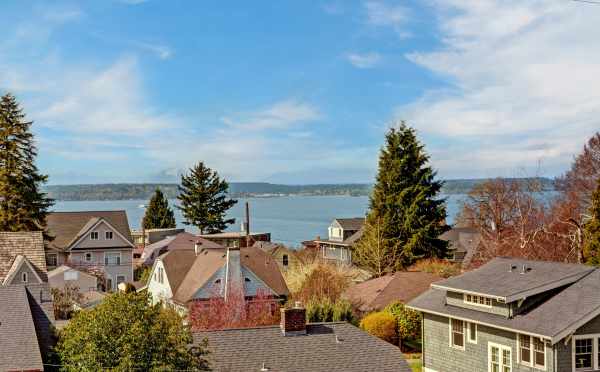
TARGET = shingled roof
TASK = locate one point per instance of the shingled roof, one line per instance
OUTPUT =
(184, 240)
(325, 347)
(403, 286)
(352, 224)
(66, 227)
(19, 348)
(29, 245)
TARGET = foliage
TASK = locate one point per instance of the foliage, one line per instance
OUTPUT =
(439, 267)
(591, 246)
(323, 310)
(405, 204)
(323, 281)
(64, 300)
(125, 333)
(373, 251)
(142, 273)
(23, 206)
(204, 201)
(381, 324)
(158, 214)
(234, 312)
(408, 321)
(343, 312)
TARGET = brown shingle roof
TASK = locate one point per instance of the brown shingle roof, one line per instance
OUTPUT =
(19, 348)
(27, 244)
(319, 350)
(65, 227)
(183, 240)
(402, 286)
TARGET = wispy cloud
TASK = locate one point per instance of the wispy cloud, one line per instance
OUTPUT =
(280, 115)
(365, 60)
(62, 15)
(524, 81)
(160, 50)
(382, 14)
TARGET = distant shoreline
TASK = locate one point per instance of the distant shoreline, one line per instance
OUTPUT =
(143, 191)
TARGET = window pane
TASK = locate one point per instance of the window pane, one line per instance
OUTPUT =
(583, 353)
(472, 331)
(538, 346)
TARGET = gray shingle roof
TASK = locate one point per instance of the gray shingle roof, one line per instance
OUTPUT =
(19, 349)
(352, 224)
(503, 278)
(248, 349)
(554, 319)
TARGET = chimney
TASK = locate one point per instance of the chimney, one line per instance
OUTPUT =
(293, 320)
(197, 247)
(234, 283)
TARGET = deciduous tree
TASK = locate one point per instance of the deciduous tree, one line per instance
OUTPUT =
(159, 214)
(591, 246)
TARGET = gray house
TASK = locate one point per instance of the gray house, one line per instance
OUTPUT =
(343, 233)
(513, 315)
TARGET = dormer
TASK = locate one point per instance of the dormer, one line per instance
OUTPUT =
(341, 229)
(507, 287)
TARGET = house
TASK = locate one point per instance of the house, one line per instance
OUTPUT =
(513, 315)
(143, 237)
(26, 310)
(183, 240)
(286, 258)
(97, 240)
(182, 276)
(65, 275)
(237, 238)
(343, 233)
(377, 293)
(295, 345)
(463, 243)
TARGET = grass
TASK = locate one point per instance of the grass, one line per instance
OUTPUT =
(415, 365)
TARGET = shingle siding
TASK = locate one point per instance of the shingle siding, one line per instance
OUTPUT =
(456, 299)
(440, 356)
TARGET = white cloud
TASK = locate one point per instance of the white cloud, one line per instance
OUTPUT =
(523, 84)
(382, 14)
(365, 60)
(280, 115)
(161, 51)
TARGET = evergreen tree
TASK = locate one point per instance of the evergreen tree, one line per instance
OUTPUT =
(404, 204)
(204, 201)
(158, 214)
(23, 206)
(591, 246)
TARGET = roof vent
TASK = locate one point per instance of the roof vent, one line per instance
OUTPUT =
(338, 340)
(525, 269)
(512, 267)
(264, 368)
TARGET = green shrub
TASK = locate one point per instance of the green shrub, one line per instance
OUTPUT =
(408, 321)
(313, 311)
(342, 312)
(381, 324)
(325, 311)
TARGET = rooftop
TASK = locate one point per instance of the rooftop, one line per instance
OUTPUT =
(29, 245)
(231, 234)
(325, 347)
(353, 224)
(510, 279)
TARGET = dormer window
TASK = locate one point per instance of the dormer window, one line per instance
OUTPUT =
(218, 281)
(94, 235)
(108, 235)
(24, 277)
(247, 280)
(285, 260)
(477, 300)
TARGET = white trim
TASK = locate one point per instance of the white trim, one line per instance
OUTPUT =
(112, 235)
(85, 257)
(25, 277)
(124, 279)
(105, 264)
(100, 220)
(94, 233)
(532, 363)
(55, 254)
(15, 269)
(426, 369)
(450, 335)
(469, 340)
(497, 298)
(477, 303)
(595, 337)
(576, 325)
(500, 348)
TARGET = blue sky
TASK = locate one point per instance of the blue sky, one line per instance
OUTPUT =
(297, 91)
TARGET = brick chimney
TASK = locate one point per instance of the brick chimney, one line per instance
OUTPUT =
(293, 320)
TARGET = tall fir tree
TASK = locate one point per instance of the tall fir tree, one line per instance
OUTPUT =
(591, 244)
(204, 201)
(159, 214)
(23, 206)
(405, 203)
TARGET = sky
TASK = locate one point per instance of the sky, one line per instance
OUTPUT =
(301, 92)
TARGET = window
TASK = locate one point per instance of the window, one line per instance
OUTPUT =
(499, 358)
(457, 333)
(472, 333)
(51, 259)
(477, 300)
(583, 354)
(120, 279)
(112, 258)
(94, 235)
(532, 351)
(24, 277)
(247, 280)
(108, 235)
(161, 275)
(285, 260)
(88, 257)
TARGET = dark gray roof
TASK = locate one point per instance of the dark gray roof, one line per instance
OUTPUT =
(352, 224)
(247, 350)
(19, 347)
(553, 319)
(503, 278)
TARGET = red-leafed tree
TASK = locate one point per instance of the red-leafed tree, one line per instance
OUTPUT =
(234, 312)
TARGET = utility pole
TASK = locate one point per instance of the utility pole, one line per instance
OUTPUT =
(247, 224)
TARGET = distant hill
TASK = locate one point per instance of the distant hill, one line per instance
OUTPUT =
(143, 191)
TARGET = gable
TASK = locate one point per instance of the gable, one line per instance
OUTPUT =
(29, 245)
(251, 288)
(102, 228)
(22, 269)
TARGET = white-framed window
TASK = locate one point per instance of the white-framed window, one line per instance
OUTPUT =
(112, 258)
(24, 277)
(585, 352)
(94, 235)
(477, 300)
(499, 358)
(108, 235)
(52, 259)
(87, 257)
(532, 351)
(457, 333)
(161, 275)
(120, 279)
(472, 333)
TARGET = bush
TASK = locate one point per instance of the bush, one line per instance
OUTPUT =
(323, 281)
(326, 311)
(342, 312)
(442, 268)
(408, 321)
(381, 324)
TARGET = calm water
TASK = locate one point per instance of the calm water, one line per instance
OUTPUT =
(289, 219)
